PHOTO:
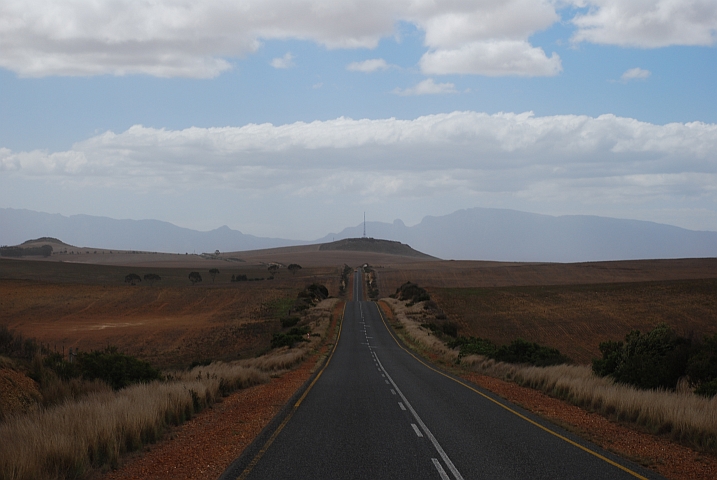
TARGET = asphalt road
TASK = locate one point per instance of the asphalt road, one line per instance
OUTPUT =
(376, 411)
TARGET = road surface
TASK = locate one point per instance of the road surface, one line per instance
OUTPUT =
(376, 411)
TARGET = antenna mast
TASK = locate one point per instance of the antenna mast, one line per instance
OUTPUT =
(364, 224)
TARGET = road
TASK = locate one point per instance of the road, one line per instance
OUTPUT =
(376, 411)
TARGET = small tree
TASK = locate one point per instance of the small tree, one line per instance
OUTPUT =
(132, 279)
(273, 269)
(195, 278)
(294, 267)
(214, 272)
(151, 278)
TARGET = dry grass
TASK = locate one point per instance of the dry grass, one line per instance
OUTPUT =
(69, 440)
(92, 432)
(411, 319)
(684, 416)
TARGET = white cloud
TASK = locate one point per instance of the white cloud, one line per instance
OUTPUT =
(170, 38)
(635, 74)
(287, 61)
(647, 24)
(492, 58)
(570, 159)
(368, 66)
(427, 87)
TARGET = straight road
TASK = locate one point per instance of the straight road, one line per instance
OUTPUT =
(376, 411)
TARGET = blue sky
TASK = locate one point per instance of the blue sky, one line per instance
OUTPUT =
(398, 108)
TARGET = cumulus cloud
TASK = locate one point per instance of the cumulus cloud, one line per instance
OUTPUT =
(287, 61)
(635, 74)
(368, 66)
(567, 158)
(168, 38)
(492, 58)
(427, 87)
(647, 24)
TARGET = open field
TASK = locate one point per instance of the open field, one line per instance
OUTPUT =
(572, 307)
(466, 274)
(171, 323)
(576, 318)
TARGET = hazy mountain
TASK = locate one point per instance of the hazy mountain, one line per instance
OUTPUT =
(496, 234)
(16, 226)
(475, 234)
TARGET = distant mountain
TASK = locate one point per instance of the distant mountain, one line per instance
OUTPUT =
(473, 234)
(17, 226)
(510, 235)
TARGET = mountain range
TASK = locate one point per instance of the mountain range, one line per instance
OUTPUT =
(471, 234)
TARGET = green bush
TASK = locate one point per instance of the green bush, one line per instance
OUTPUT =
(656, 359)
(412, 293)
(474, 346)
(289, 339)
(114, 368)
(702, 367)
(522, 351)
(518, 351)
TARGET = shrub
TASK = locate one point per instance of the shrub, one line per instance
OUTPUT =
(115, 368)
(518, 351)
(412, 293)
(522, 351)
(195, 277)
(310, 296)
(289, 322)
(289, 339)
(702, 367)
(450, 329)
(656, 359)
(473, 346)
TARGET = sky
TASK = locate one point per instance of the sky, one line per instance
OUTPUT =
(291, 118)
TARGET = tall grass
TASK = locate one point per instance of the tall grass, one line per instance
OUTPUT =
(683, 416)
(91, 432)
(71, 439)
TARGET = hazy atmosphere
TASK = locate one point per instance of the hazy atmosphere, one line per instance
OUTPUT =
(291, 118)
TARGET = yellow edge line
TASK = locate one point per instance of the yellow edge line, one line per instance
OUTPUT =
(268, 443)
(506, 407)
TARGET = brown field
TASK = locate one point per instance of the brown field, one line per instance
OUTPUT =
(171, 323)
(576, 318)
(572, 307)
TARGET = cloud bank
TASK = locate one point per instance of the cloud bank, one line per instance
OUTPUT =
(567, 158)
(173, 38)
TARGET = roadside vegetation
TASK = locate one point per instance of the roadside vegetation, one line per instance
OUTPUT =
(114, 403)
(343, 284)
(658, 381)
(371, 282)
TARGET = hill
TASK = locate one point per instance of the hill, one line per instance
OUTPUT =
(373, 245)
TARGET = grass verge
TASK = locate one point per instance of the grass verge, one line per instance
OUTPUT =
(683, 416)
